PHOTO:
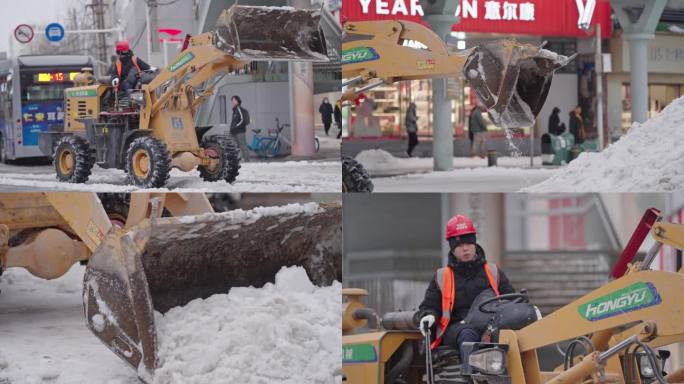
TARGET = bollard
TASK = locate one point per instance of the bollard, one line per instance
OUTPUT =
(491, 158)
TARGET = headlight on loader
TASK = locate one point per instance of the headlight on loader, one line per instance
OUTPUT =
(646, 370)
(491, 361)
(138, 98)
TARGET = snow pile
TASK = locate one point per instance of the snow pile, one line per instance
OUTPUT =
(649, 157)
(378, 159)
(240, 216)
(287, 332)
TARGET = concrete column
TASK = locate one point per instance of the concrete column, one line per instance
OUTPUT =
(442, 137)
(638, 57)
(301, 101)
(442, 132)
(441, 16)
(638, 32)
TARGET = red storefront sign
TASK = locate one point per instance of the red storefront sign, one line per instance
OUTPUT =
(519, 17)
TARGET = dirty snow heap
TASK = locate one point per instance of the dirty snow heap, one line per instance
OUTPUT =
(650, 157)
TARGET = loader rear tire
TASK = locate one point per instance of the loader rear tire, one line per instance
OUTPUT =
(73, 159)
(226, 150)
(355, 178)
(148, 163)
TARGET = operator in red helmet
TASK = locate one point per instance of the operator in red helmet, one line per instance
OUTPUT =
(126, 68)
(451, 294)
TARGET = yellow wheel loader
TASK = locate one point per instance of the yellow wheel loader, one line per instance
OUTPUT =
(616, 330)
(511, 79)
(139, 262)
(152, 130)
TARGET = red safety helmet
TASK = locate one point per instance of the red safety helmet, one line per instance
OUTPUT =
(459, 225)
(122, 46)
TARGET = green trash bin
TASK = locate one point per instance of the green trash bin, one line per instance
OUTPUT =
(556, 148)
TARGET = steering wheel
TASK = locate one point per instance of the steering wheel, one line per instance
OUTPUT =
(508, 298)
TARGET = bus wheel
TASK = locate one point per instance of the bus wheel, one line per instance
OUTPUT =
(73, 159)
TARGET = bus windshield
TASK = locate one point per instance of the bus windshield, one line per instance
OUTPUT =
(44, 86)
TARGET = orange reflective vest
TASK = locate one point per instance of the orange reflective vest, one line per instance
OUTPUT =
(119, 65)
(446, 283)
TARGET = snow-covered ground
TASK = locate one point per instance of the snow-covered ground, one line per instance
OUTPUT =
(649, 158)
(287, 332)
(393, 174)
(287, 176)
(43, 334)
(495, 179)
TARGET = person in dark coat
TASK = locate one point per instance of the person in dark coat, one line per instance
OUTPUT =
(577, 125)
(467, 260)
(338, 118)
(326, 111)
(412, 128)
(238, 125)
(478, 128)
(555, 126)
(127, 67)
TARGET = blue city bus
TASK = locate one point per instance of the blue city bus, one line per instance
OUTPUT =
(32, 99)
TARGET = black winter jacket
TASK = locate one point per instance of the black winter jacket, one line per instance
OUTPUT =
(237, 124)
(576, 127)
(555, 126)
(470, 279)
(326, 111)
(338, 115)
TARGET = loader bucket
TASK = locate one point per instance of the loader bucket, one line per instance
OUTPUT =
(512, 80)
(167, 262)
(271, 33)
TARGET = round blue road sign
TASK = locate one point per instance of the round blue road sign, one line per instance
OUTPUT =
(54, 32)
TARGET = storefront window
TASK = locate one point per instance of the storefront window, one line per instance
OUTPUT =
(659, 96)
(420, 92)
(382, 111)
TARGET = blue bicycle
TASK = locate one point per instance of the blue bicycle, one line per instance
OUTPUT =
(269, 146)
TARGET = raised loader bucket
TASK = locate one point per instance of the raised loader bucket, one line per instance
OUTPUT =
(271, 33)
(512, 80)
(167, 262)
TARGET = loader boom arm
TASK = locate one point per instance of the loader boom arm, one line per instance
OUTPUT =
(392, 51)
(192, 67)
(242, 34)
(66, 227)
(396, 51)
(640, 296)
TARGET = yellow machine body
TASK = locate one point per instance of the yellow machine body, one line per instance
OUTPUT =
(643, 306)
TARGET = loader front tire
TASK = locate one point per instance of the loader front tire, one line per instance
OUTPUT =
(148, 163)
(355, 178)
(225, 149)
(73, 159)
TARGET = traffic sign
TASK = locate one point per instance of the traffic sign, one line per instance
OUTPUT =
(54, 32)
(23, 33)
